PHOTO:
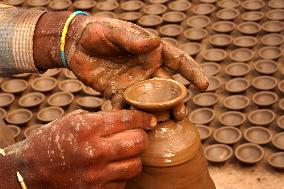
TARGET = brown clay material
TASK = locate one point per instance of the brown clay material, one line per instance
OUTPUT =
(150, 20)
(60, 99)
(31, 130)
(187, 97)
(195, 34)
(70, 85)
(273, 39)
(223, 26)
(181, 79)
(191, 48)
(249, 153)
(237, 85)
(130, 16)
(253, 5)
(218, 153)
(170, 40)
(174, 16)
(214, 84)
(3, 113)
(202, 116)
(60, 5)
(170, 30)
(49, 114)
(106, 106)
(19, 116)
(237, 69)
(280, 86)
(15, 130)
(89, 102)
(261, 117)
(206, 99)
(242, 55)
(278, 141)
(198, 21)
(228, 4)
(227, 14)
(273, 26)
(276, 160)
(245, 41)
(106, 14)
(276, 4)
(31, 100)
(249, 28)
(39, 8)
(133, 5)
(84, 4)
(158, 1)
(52, 72)
(275, 14)
(227, 135)
(37, 3)
(252, 16)
(232, 118)
(269, 52)
(236, 102)
(265, 98)
(203, 9)
(204, 131)
(211, 68)
(14, 86)
(258, 135)
(154, 31)
(214, 55)
(179, 5)
(154, 9)
(208, 1)
(69, 74)
(90, 91)
(281, 104)
(107, 5)
(43, 84)
(264, 83)
(23, 75)
(6, 99)
(220, 40)
(14, 2)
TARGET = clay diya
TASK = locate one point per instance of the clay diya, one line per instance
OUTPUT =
(253, 5)
(275, 14)
(191, 48)
(14, 2)
(84, 4)
(269, 52)
(242, 55)
(106, 14)
(276, 4)
(3, 113)
(69, 74)
(90, 102)
(51, 72)
(208, 1)
(236, 102)
(232, 118)
(150, 20)
(278, 141)
(44, 84)
(273, 26)
(273, 39)
(180, 79)
(276, 160)
(70, 85)
(220, 40)
(14, 86)
(245, 41)
(195, 34)
(31, 130)
(154, 9)
(38, 3)
(60, 5)
(227, 14)
(227, 135)
(204, 132)
(252, 16)
(202, 116)
(60, 99)
(6, 99)
(170, 40)
(174, 16)
(214, 55)
(261, 117)
(211, 68)
(280, 86)
(158, 1)
(39, 8)
(249, 153)
(106, 106)
(49, 114)
(227, 4)
(214, 84)
(206, 99)
(249, 28)
(23, 75)
(107, 5)
(131, 5)
(264, 83)
(198, 21)
(130, 16)
(154, 31)
(170, 30)
(223, 26)
(15, 130)
(218, 153)
(237, 85)
(179, 5)
(90, 91)
(188, 96)
(31, 100)
(203, 9)
(281, 104)
(19, 116)
(237, 69)
(258, 135)
(265, 98)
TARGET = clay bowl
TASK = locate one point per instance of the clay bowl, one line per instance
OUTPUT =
(70, 85)
(249, 28)
(214, 84)
(39, 8)
(6, 99)
(253, 5)
(206, 99)
(223, 26)
(60, 99)
(90, 91)
(208, 1)
(15, 130)
(165, 93)
(273, 26)
(195, 34)
(180, 79)
(242, 55)
(203, 9)
(237, 85)
(202, 116)
(249, 153)
(191, 48)
(214, 55)
(150, 20)
(154, 9)
(218, 153)
(44, 84)
(179, 5)
(245, 41)
(264, 83)
(265, 66)
(276, 4)
(281, 104)
(31, 130)
(232, 118)
(276, 160)
(278, 141)
(187, 97)
(273, 39)
(106, 106)
(275, 14)
(280, 86)
(258, 135)
(37, 3)
(106, 14)
(237, 69)
(3, 113)
(23, 75)
(227, 14)
(236, 102)
(198, 21)
(107, 5)
(220, 40)
(227, 4)
(14, 2)
(252, 16)
(170, 30)
(14, 86)
(269, 52)
(84, 4)
(158, 1)
(51, 72)
(19, 116)
(131, 5)
(227, 135)
(204, 132)
(130, 16)
(152, 30)
(261, 117)
(49, 114)
(211, 68)
(69, 74)
(89, 102)
(31, 100)
(170, 40)
(174, 16)
(265, 98)
(60, 5)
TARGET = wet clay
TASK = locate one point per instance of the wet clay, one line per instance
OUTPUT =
(218, 153)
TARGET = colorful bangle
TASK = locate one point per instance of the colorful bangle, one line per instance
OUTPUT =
(21, 181)
(64, 33)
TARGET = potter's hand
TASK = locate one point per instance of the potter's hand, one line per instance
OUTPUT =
(84, 150)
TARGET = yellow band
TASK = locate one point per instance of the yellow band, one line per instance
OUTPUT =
(2, 152)
(21, 181)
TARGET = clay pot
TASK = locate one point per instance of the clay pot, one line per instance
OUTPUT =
(281, 104)
(278, 141)
(223, 26)
(19, 116)
(276, 160)
(44, 84)
(49, 114)
(23, 75)
(130, 16)
(38, 3)
(237, 85)
(245, 41)
(14, 2)
(253, 5)
(202, 116)
(69, 74)
(154, 9)
(198, 21)
(220, 40)
(249, 153)
(208, 1)
(227, 135)
(237, 69)
(90, 91)
(170, 30)
(195, 34)
(265, 98)
(51, 72)
(258, 135)
(60, 99)
(236, 102)
(150, 20)
(242, 55)
(39, 8)
(214, 84)
(31, 130)
(273, 39)
(252, 16)
(191, 48)
(273, 26)
(261, 117)
(31, 100)
(276, 4)
(153, 31)
(203, 9)
(228, 4)
(14, 86)
(218, 153)
(174, 16)
(280, 86)
(3, 113)
(179, 5)
(264, 83)
(107, 5)
(158, 1)
(232, 118)
(89, 102)
(70, 85)
(180, 79)
(227, 14)
(6, 99)
(106, 106)
(134, 5)
(106, 14)
(15, 130)
(275, 14)
(249, 28)
(170, 40)
(188, 96)
(214, 55)
(60, 5)
(204, 132)
(206, 99)
(211, 68)
(84, 4)
(269, 52)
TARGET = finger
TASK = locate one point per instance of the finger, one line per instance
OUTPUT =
(118, 102)
(182, 63)
(179, 112)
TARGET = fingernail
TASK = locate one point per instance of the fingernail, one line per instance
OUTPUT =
(153, 122)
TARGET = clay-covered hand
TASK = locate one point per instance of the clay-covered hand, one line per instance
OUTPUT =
(84, 150)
